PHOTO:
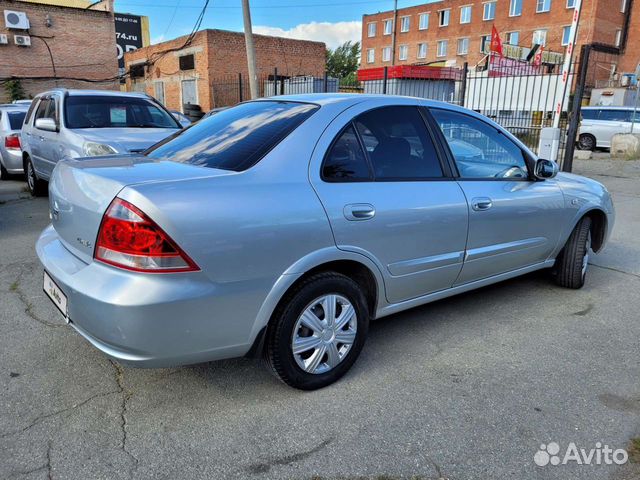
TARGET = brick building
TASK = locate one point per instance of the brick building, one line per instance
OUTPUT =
(452, 32)
(78, 42)
(176, 76)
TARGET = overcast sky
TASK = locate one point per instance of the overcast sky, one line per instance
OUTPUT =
(329, 21)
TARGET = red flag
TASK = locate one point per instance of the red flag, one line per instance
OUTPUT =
(496, 43)
(537, 59)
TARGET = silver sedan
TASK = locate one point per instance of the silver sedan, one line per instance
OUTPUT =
(282, 227)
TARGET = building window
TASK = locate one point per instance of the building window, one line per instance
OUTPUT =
(543, 6)
(463, 46)
(515, 8)
(489, 11)
(618, 38)
(187, 62)
(465, 14)
(403, 52)
(566, 32)
(485, 41)
(371, 55)
(422, 50)
(571, 3)
(158, 91)
(388, 27)
(623, 6)
(405, 23)
(444, 17)
(442, 48)
(539, 37)
(386, 54)
(424, 21)
(371, 29)
(513, 38)
(136, 71)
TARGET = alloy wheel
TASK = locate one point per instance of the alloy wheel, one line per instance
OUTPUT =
(31, 181)
(585, 259)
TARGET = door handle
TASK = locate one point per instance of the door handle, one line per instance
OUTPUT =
(481, 203)
(359, 211)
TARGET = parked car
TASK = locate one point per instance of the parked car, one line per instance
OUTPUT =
(281, 227)
(599, 124)
(84, 123)
(11, 118)
(181, 117)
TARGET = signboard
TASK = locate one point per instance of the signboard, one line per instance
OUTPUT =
(128, 36)
(508, 67)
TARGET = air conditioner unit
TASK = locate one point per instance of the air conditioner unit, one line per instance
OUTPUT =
(22, 40)
(16, 20)
(3, 39)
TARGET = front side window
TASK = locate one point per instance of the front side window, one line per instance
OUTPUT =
(388, 27)
(113, 111)
(424, 21)
(236, 138)
(515, 8)
(589, 114)
(465, 14)
(405, 24)
(371, 30)
(478, 149)
(398, 144)
(444, 17)
(442, 48)
(345, 161)
(463, 46)
(371, 55)
(539, 37)
(403, 52)
(489, 11)
(422, 50)
(543, 6)
(386, 54)
(43, 107)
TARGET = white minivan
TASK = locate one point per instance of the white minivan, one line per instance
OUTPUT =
(599, 125)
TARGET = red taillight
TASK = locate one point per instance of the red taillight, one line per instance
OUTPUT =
(129, 239)
(12, 142)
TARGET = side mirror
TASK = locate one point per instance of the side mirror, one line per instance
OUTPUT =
(48, 124)
(545, 169)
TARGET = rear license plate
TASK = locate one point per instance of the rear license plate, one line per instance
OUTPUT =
(56, 295)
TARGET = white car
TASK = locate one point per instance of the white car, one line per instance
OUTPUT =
(600, 124)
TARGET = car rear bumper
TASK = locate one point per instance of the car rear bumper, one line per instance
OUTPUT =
(12, 161)
(148, 320)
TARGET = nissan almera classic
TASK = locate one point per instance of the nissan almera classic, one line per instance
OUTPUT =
(281, 227)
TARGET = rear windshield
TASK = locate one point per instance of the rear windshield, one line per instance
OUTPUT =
(16, 119)
(236, 138)
(95, 111)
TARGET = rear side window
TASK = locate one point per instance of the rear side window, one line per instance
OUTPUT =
(616, 115)
(31, 109)
(16, 119)
(236, 138)
(345, 161)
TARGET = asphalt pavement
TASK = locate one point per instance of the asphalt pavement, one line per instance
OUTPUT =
(469, 387)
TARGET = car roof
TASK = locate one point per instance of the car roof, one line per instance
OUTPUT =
(80, 92)
(605, 107)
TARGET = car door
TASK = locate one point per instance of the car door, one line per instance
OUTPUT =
(388, 196)
(514, 221)
(50, 141)
(610, 122)
(36, 139)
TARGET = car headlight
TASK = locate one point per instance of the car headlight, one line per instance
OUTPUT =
(92, 149)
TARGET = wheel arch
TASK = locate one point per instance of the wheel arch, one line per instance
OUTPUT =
(598, 227)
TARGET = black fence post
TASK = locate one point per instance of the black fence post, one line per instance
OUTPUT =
(570, 147)
(240, 86)
(384, 80)
(326, 81)
(463, 83)
(275, 81)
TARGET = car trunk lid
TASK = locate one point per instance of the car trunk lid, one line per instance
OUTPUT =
(80, 191)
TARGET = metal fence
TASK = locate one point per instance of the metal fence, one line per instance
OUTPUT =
(522, 101)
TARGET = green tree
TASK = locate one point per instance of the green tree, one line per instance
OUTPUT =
(343, 62)
(14, 90)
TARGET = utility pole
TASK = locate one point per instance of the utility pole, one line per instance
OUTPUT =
(251, 51)
(393, 32)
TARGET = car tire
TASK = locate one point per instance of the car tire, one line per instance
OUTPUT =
(587, 141)
(37, 187)
(326, 359)
(4, 175)
(571, 266)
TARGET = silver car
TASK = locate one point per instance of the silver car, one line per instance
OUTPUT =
(281, 227)
(599, 124)
(11, 118)
(80, 123)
